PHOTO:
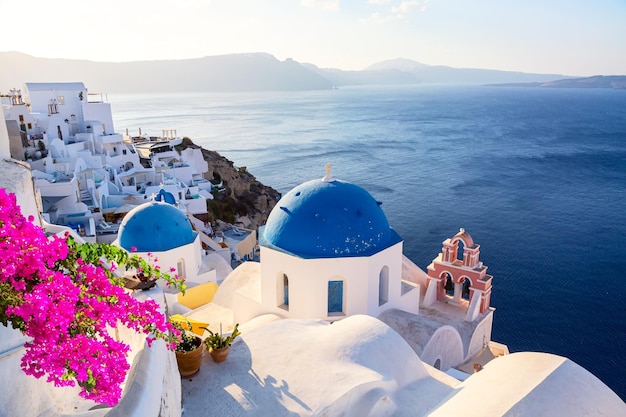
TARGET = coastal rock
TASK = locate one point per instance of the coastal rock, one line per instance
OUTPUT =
(244, 200)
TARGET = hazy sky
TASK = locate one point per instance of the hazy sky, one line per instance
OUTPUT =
(572, 37)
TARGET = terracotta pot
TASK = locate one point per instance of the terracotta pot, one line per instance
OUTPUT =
(219, 355)
(189, 362)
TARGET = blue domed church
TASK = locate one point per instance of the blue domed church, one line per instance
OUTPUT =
(327, 251)
(161, 229)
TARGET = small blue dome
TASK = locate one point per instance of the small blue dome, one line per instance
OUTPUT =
(165, 196)
(326, 219)
(155, 227)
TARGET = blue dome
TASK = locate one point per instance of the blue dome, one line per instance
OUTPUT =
(155, 227)
(326, 219)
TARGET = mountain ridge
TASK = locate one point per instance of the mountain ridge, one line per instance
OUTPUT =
(256, 71)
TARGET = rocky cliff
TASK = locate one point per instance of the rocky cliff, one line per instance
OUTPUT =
(243, 200)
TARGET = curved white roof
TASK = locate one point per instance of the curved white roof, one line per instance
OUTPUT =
(532, 384)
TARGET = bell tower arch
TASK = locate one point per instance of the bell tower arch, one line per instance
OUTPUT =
(459, 278)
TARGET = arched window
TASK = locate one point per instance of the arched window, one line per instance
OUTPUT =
(383, 286)
(465, 293)
(335, 297)
(449, 286)
(460, 254)
(437, 364)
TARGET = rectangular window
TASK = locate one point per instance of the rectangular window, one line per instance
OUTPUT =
(282, 291)
(61, 100)
(285, 290)
(335, 297)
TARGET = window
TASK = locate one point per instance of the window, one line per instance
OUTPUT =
(465, 293)
(460, 253)
(52, 107)
(61, 99)
(335, 297)
(180, 268)
(282, 286)
(449, 286)
(285, 290)
(383, 286)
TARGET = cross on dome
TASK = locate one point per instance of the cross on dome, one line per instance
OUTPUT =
(328, 177)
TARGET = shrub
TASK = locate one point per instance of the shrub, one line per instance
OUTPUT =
(65, 297)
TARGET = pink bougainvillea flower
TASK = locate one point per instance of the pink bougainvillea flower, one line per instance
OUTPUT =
(61, 296)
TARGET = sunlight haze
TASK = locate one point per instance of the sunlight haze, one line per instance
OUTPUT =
(563, 37)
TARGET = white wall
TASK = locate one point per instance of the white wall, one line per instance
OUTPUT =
(5, 149)
(308, 284)
(16, 177)
(100, 112)
(445, 344)
(481, 336)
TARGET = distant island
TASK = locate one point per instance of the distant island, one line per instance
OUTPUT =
(258, 72)
(597, 81)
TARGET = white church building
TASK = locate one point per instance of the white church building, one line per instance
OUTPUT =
(159, 229)
(327, 251)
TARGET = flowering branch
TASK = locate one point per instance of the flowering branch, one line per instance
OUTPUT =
(63, 296)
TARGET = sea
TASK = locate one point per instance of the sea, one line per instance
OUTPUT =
(537, 176)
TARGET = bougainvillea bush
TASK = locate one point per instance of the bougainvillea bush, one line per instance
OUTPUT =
(66, 298)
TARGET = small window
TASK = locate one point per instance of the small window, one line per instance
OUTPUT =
(180, 268)
(449, 286)
(285, 290)
(383, 286)
(335, 297)
(460, 253)
(282, 291)
(465, 293)
(60, 99)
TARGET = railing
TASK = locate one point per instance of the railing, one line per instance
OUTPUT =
(96, 98)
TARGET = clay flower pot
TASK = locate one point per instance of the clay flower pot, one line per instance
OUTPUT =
(219, 355)
(218, 345)
(189, 362)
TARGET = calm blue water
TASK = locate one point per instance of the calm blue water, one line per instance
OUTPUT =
(536, 176)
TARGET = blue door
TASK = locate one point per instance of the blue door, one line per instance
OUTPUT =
(335, 297)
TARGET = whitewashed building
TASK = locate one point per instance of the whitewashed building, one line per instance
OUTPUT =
(159, 230)
(327, 251)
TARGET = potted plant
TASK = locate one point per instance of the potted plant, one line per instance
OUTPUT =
(188, 350)
(218, 345)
